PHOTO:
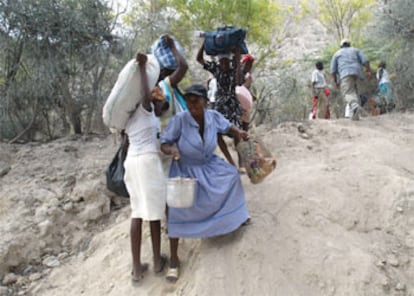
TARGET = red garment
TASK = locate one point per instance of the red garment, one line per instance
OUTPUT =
(328, 113)
(315, 107)
(247, 57)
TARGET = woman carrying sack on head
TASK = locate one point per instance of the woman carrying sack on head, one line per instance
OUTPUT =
(144, 177)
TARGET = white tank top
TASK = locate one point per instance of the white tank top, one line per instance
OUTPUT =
(142, 129)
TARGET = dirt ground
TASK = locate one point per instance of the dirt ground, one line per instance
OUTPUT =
(336, 217)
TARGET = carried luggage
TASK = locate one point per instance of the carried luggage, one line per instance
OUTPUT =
(245, 97)
(181, 190)
(164, 54)
(257, 160)
(224, 39)
(116, 171)
(127, 93)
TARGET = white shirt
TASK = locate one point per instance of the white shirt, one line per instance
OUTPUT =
(142, 128)
(318, 79)
(212, 89)
(384, 78)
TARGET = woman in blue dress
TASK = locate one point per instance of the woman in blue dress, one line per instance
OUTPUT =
(220, 205)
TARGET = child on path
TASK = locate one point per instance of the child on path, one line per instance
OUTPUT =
(320, 93)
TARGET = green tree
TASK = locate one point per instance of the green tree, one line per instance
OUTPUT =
(344, 18)
(395, 41)
(56, 55)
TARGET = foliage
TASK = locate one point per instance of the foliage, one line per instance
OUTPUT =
(55, 59)
(345, 18)
(394, 32)
(258, 16)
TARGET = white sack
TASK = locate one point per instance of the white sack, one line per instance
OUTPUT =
(127, 93)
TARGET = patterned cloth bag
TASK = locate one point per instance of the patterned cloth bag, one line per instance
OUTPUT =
(164, 54)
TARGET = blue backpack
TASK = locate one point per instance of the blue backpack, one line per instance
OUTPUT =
(223, 39)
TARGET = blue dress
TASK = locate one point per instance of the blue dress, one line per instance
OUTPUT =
(220, 204)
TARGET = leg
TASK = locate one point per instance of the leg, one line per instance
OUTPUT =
(236, 142)
(173, 270)
(349, 91)
(245, 120)
(174, 260)
(159, 261)
(322, 103)
(225, 150)
(135, 233)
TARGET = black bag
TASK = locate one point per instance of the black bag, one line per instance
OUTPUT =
(224, 39)
(115, 172)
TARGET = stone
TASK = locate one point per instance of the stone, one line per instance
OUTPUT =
(393, 260)
(45, 227)
(400, 287)
(35, 276)
(9, 279)
(63, 255)
(4, 170)
(3, 290)
(51, 261)
(68, 206)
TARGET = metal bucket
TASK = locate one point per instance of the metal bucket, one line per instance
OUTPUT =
(181, 192)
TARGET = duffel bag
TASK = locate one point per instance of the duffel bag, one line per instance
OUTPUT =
(224, 39)
(127, 93)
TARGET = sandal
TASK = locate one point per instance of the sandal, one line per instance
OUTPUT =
(172, 274)
(163, 262)
(134, 278)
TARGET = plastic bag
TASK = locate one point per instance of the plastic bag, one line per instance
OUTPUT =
(257, 160)
(244, 96)
(116, 171)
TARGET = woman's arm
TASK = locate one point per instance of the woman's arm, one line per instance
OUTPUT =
(170, 149)
(236, 132)
(182, 67)
(200, 55)
(238, 70)
(146, 100)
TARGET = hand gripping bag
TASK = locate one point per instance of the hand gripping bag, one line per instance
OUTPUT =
(164, 55)
(224, 39)
(127, 93)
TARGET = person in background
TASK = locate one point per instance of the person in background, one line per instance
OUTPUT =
(220, 205)
(212, 90)
(228, 75)
(346, 66)
(144, 177)
(171, 75)
(320, 93)
(384, 86)
(247, 80)
(168, 81)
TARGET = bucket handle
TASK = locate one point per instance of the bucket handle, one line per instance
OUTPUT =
(177, 165)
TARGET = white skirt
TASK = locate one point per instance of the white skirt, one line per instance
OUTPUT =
(146, 184)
